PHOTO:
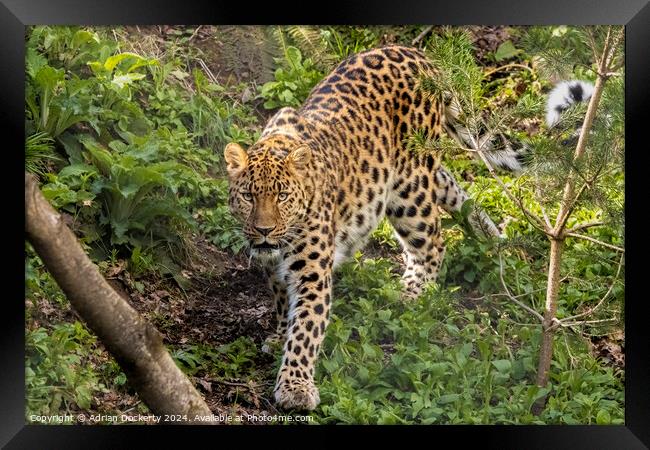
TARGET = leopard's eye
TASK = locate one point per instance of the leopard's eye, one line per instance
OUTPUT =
(247, 196)
(282, 196)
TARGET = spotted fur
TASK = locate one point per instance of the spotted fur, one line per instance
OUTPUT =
(318, 181)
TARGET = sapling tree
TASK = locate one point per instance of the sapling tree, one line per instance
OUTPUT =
(573, 180)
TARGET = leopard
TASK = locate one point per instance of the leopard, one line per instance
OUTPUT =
(321, 177)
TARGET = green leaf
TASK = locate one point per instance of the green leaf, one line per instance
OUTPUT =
(293, 55)
(76, 170)
(120, 379)
(603, 418)
(72, 147)
(502, 365)
(84, 37)
(469, 275)
(126, 79)
(34, 61)
(448, 398)
(113, 61)
(100, 157)
(48, 77)
(467, 208)
(384, 314)
(506, 50)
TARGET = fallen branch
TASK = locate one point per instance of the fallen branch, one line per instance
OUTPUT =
(421, 36)
(136, 345)
(507, 66)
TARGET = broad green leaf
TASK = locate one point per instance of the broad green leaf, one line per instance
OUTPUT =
(384, 314)
(467, 208)
(448, 398)
(603, 418)
(506, 50)
(100, 157)
(76, 170)
(502, 365)
(34, 62)
(113, 61)
(48, 77)
(126, 79)
(84, 37)
(293, 55)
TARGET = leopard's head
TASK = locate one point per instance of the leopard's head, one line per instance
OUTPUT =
(269, 190)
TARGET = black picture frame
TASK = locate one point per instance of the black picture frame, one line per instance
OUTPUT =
(634, 14)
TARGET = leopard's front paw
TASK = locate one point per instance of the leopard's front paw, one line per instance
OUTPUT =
(410, 293)
(297, 394)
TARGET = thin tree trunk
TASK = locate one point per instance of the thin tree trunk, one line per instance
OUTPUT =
(548, 332)
(135, 344)
(558, 233)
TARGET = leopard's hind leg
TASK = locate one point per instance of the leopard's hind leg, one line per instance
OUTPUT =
(413, 212)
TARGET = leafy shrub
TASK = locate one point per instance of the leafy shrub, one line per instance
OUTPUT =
(57, 375)
(293, 80)
(434, 361)
(346, 41)
(235, 360)
(222, 228)
(140, 145)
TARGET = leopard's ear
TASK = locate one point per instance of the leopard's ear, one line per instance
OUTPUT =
(299, 157)
(236, 159)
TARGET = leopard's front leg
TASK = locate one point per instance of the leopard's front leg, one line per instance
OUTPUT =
(308, 272)
(279, 289)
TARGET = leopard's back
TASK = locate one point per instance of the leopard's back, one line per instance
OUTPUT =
(359, 117)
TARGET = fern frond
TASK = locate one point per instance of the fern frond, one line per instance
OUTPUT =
(273, 46)
(309, 40)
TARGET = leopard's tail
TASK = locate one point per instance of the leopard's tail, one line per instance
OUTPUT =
(499, 151)
(565, 94)
(508, 154)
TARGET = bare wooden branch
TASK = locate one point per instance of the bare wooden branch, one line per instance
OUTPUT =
(136, 345)
(585, 225)
(596, 241)
(507, 66)
(560, 223)
(587, 322)
(512, 297)
(550, 310)
(603, 298)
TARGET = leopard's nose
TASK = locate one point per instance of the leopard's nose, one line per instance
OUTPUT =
(265, 230)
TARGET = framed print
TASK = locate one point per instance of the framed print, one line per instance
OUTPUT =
(405, 219)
